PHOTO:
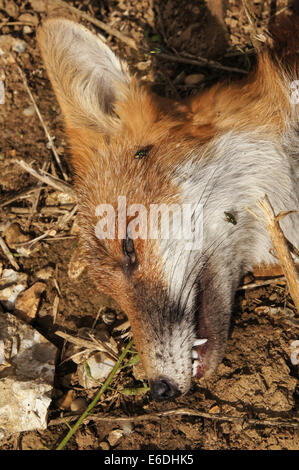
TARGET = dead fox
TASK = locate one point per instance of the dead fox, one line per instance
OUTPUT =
(224, 149)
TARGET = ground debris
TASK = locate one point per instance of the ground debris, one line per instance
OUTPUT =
(12, 283)
(27, 375)
(27, 302)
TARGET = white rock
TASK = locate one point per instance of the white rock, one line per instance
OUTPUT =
(19, 46)
(8, 296)
(127, 427)
(26, 382)
(11, 284)
(295, 357)
(29, 111)
(10, 276)
(114, 436)
(27, 29)
(79, 404)
(45, 273)
(295, 352)
(100, 365)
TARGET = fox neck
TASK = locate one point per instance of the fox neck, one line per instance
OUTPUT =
(230, 174)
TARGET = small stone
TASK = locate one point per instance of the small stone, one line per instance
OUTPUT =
(57, 197)
(65, 198)
(66, 401)
(27, 29)
(45, 273)
(27, 301)
(14, 236)
(27, 385)
(9, 295)
(215, 409)
(114, 436)
(78, 405)
(95, 370)
(10, 276)
(30, 111)
(127, 427)
(262, 309)
(19, 46)
(295, 357)
(295, 352)
(194, 79)
(76, 266)
(104, 445)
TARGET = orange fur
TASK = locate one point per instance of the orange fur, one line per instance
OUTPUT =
(105, 138)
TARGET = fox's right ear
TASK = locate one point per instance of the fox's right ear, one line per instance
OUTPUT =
(86, 75)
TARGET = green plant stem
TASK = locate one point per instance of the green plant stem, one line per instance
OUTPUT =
(97, 397)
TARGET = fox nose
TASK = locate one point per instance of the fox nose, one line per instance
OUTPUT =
(164, 389)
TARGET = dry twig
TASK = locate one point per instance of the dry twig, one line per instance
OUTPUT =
(85, 343)
(280, 246)
(50, 140)
(55, 308)
(37, 194)
(8, 254)
(199, 61)
(241, 420)
(253, 285)
(100, 24)
(19, 195)
(46, 178)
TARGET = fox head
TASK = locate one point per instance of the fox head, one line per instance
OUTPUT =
(125, 142)
(128, 144)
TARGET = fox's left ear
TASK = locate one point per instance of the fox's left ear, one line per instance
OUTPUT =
(86, 75)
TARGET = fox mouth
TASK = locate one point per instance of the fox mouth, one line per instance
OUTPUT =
(197, 354)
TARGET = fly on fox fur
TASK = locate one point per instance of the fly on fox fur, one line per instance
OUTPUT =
(230, 218)
(228, 146)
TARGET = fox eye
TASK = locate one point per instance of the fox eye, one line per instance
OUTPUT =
(129, 251)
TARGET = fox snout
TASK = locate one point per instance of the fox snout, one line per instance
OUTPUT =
(164, 389)
(193, 166)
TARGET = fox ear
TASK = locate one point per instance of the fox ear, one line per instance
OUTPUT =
(86, 75)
